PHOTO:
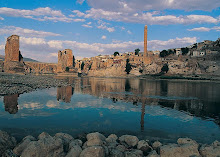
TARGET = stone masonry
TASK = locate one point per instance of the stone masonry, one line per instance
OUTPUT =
(13, 58)
(65, 59)
(145, 41)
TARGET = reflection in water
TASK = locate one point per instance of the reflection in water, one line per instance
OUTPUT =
(65, 93)
(11, 103)
(142, 115)
(133, 103)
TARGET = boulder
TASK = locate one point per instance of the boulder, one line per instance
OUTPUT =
(129, 140)
(116, 153)
(134, 153)
(121, 148)
(75, 143)
(174, 150)
(66, 138)
(144, 146)
(23, 144)
(111, 138)
(95, 139)
(46, 146)
(212, 150)
(6, 142)
(9, 153)
(93, 151)
(156, 145)
(153, 154)
(182, 141)
(75, 151)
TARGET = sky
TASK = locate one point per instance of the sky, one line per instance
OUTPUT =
(94, 27)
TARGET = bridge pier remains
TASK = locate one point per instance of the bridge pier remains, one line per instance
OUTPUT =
(13, 59)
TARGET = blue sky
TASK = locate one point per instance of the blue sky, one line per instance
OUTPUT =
(93, 27)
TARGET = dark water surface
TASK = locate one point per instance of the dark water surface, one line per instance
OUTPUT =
(152, 109)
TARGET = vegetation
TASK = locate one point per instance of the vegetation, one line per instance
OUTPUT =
(128, 67)
(116, 53)
(82, 65)
(141, 70)
(74, 61)
(137, 51)
(67, 69)
(184, 50)
(165, 68)
(165, 53)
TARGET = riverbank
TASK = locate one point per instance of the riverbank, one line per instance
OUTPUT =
(97, 145)
(18, 84)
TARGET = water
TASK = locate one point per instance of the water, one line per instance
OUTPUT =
(149, 109)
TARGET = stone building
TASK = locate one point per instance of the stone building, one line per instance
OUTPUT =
(65, 60)
(13, 58)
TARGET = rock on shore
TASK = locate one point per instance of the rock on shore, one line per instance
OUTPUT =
(97, 145)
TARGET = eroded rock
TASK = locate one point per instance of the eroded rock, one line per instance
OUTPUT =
(93, 151)
(129, 140)
(6, 142)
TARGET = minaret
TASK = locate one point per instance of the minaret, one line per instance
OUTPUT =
(145, 41)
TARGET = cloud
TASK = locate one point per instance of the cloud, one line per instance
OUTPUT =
(129, 32)
(46, 50)
(40, 14)
(25, 32)
(154, 17)
(103, 25)
(2, 47)
(103, 37)
(88, 25)
(146, 5)
(205, 29)
(1, 18)
(80, 1)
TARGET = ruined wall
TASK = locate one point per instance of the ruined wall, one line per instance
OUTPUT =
(12, 49)
(65, 59)
(11, 103)
(13, 58)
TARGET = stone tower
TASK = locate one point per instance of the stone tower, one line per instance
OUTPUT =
(13, 59)
(12, 49)
(65, 59)
(145, 41)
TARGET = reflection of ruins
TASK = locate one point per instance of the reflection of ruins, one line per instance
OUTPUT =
(198, 99)
(65, 93)
(11, 103)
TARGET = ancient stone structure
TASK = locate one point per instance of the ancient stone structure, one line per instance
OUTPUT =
(13, 58)
(40, 68)
(145, 41)
(65, 60)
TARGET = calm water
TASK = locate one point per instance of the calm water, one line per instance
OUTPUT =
(152, 109)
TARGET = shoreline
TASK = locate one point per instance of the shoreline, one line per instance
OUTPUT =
(18, 84)
(98, 145)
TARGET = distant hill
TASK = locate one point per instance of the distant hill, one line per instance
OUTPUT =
(25, 59)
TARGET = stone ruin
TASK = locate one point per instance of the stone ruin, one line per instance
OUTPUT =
(65, 61)
(13, 58)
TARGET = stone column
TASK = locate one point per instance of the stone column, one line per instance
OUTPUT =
(145, 41)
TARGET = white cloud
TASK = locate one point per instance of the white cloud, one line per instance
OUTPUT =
(40, 14)
(2, 47)
(154, 17)
(45, 51)
(205, 29)
(25, 32)
(145, 5)
(80, 1)
(129, 32)
(1, 18)
(103, 37)
(88, 26)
